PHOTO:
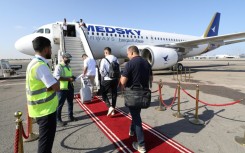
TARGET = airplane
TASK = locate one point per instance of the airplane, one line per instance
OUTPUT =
(162, 50)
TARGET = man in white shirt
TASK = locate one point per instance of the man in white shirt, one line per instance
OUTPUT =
(64, 27)
(107, 83)
(41, 89)
(89, 70)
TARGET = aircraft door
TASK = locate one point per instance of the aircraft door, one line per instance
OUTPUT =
(56, 33)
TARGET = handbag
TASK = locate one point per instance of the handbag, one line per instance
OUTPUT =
(137, 97)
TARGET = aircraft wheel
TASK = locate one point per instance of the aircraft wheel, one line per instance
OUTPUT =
(180, 67)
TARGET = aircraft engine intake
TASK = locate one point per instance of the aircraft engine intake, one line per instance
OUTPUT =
(160, 58)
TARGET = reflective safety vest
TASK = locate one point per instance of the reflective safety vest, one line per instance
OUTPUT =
(40, 101)
(65, 72)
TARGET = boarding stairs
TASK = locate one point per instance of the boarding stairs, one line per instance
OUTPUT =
(76, 46)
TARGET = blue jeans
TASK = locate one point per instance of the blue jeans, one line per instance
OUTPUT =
(136, 125)
(64, 95)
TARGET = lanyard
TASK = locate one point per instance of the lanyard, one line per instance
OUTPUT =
(43, 61)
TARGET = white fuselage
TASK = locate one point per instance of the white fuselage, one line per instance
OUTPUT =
(118, 39)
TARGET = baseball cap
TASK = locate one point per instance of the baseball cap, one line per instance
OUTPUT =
(67, 55)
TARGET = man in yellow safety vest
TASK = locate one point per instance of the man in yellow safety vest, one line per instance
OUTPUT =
(63, 73)
(41, 89)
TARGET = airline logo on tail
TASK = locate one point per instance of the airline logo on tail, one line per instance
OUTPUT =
(213, 27)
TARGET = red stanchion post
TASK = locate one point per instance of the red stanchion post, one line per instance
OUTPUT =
(31, 136)
(178, 114)
(195, 120)
(18, 143)
(160, 107)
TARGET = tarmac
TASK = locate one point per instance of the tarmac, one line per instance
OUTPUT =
(220, 82)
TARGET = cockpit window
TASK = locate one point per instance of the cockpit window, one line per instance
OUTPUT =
(47, 30)
(40, 31)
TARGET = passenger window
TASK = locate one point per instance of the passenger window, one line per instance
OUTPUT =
(92, 33)
(111, 35)
(146, 37)
(141, 37)
(47, 30)
(98, 34)
(102, 34)
(40, 31)
(88, 33)
(119, 35)
(134, 36)
(115, 35)
(127, 36)
(123, 35)
(106, 34)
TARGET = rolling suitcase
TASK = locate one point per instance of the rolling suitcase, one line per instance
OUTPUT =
(85, 91)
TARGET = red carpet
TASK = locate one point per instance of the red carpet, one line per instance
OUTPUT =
(116, 128)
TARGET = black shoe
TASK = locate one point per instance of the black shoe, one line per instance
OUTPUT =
(60, 123)
(72, 119)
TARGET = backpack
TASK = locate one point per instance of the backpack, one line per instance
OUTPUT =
(114, 69)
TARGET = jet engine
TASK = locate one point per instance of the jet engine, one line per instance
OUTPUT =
(158, 57)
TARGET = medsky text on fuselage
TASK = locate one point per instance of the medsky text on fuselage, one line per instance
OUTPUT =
(113, 30)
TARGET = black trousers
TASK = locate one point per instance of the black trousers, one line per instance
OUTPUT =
(47, 129)
(106, 86)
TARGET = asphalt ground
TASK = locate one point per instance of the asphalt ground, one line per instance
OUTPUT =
(219, 83)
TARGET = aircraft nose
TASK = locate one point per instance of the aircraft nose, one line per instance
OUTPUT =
(24, 45)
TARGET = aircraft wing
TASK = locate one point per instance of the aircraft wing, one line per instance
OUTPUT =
(217, 40)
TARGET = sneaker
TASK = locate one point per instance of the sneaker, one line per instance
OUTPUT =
(140, 149)
(61, 123)
(111, 109)
(71, 119)
(131, 133)
(113, 112)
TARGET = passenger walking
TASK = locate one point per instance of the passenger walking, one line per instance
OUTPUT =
(89, 70)
(63, 73)
(109, 82)
(64, 27)
(137, 72)
(41, 89)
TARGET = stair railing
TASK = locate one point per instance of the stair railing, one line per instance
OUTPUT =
(62, 45)
(85, 42)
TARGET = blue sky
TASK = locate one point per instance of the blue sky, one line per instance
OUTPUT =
(191, 17)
